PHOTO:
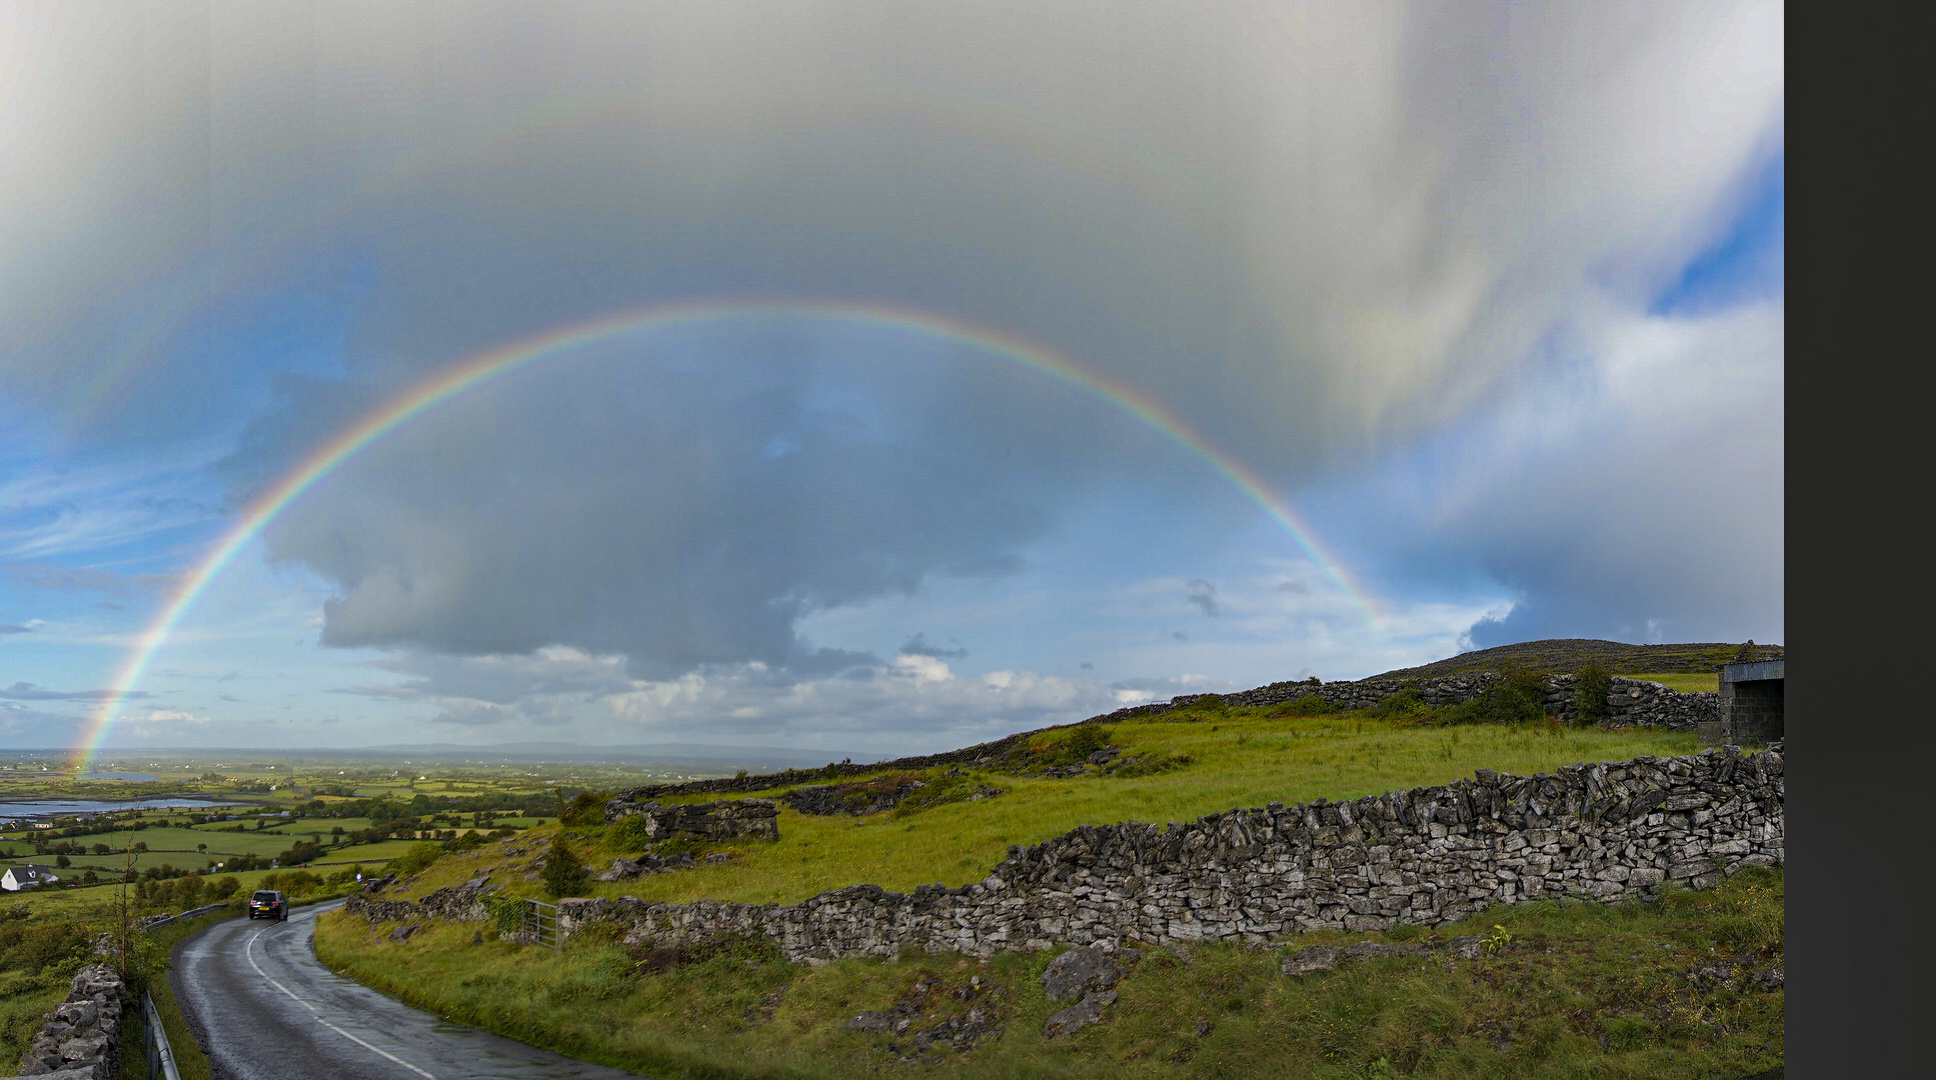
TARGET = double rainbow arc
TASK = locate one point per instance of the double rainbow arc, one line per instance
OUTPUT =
(509, 358)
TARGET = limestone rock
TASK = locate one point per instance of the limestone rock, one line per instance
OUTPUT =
(1079, 972)
(1080, 1015)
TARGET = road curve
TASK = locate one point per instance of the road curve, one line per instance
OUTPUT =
(266, 1009)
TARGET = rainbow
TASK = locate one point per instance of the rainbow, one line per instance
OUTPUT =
(509, 358)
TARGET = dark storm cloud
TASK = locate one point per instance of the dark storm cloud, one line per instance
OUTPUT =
(1314, 236)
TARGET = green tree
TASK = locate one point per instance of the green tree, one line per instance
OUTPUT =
(564, 875)
(1590, 694)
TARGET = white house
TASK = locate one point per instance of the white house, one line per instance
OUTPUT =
(26, 877)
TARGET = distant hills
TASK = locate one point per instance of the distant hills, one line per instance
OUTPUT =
(1561, 655)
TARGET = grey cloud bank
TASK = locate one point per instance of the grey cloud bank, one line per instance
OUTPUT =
(1324, 236)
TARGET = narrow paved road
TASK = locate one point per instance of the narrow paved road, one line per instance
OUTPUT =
(267, 1009)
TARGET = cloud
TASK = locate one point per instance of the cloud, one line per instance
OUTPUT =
(19, 628)
(26, 691)
(49, 577)
(169, 716)
(1203, 595)
(913, 704)
(1644, 505)
(919, 645)
(1362, 227)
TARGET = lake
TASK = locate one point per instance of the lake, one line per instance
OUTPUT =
(32, 808)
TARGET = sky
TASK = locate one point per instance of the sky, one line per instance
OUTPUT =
(893, 376)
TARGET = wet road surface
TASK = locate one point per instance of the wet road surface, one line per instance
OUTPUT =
(267, 1009)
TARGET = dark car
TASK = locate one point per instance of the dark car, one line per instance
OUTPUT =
(268, 904)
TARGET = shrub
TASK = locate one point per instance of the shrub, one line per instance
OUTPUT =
(504, 912)
(628, 834)
(223, 887)
(1590, 694)
(1308, 705)
(1514, 696)
(1151, 764)
(418, 857)
(1055, 748)
(564, 875)
(1408, 702)
(587, 808)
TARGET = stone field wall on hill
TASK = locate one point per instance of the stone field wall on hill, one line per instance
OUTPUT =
(1429, 856)
(1630, 703)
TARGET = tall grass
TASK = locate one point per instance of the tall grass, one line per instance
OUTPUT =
(1578, 990)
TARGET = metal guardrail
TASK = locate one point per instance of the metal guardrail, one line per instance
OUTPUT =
(189, 914)
(541, 920)
(161, 1057)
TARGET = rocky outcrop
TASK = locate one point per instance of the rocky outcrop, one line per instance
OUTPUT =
(1427, 856)
(1315, 958)
(648, 864)
(81, 1038)
(733, 819)
(1083, 976)
(855, 799)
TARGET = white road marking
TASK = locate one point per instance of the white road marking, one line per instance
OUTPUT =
(249, 952)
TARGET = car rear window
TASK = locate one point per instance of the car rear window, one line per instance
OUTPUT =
(265, 896)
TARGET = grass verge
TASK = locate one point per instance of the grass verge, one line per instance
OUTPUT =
(1687, 986)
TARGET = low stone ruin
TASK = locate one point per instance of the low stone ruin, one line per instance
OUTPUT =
(732, 819)
(81, 1039)
(856, 799)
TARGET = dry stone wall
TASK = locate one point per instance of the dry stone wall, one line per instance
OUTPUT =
(81, 1037)
(1429, 856)
(730, 819)
(1630, 702)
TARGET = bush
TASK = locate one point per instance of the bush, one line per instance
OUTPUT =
(1308, 705)
(504, 912)
(1514, 696)
(418, 857)
(1590, 694)
(564, 875)
(223, 887)
(628, 834)
(587, 808)
(1082, 740)
(1408, 702)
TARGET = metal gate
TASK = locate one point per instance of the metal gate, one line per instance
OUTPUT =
(541, 920)
(161, 1059)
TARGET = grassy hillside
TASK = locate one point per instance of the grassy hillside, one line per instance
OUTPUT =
(1568, 990)
(1218, 760)
(1562, 655)
(1581, 990)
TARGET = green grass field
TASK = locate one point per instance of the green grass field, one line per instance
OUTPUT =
(1687, 682)
(1243, 758)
